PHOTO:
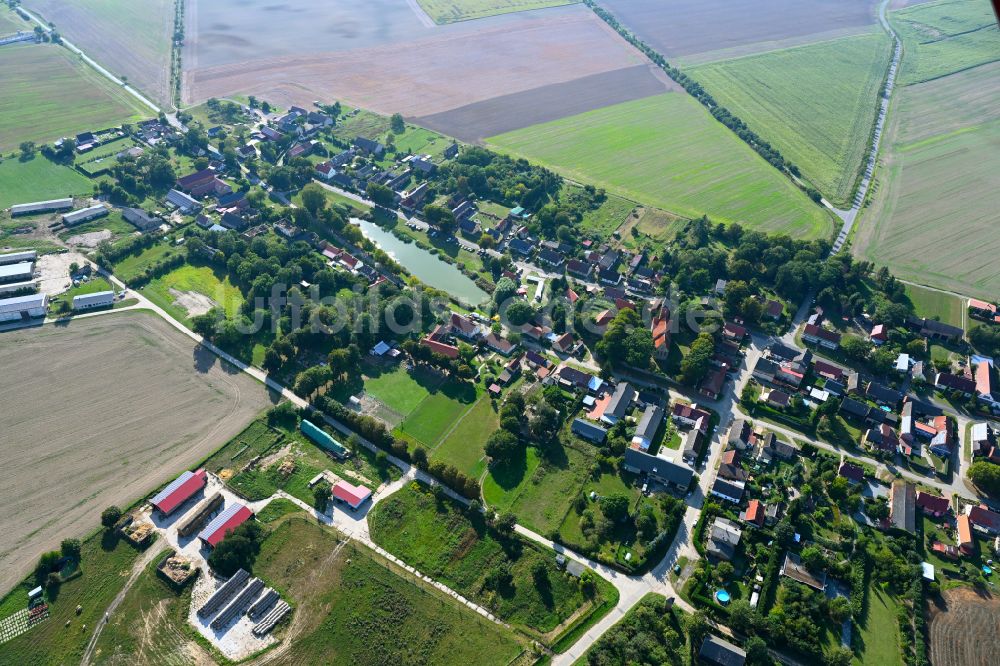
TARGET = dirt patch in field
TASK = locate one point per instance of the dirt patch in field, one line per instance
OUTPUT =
(102, 411)
(686, 27)
(506, 113)
(53, 271)
(442, 71)
(965, 631)
(92, 239)
(195, 303)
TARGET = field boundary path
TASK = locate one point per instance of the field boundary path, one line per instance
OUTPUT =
(850, 216)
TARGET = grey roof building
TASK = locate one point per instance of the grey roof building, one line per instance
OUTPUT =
(648, 425)
(19, 272)
(36, 207)
(589, 431)
(661, 470)
(18, 257)
(718, 652)
(84, 215)
(98, 299)
(621, 400)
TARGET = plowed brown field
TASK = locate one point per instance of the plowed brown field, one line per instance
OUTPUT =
(966, 631)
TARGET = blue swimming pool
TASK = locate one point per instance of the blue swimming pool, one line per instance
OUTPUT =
(722, 597)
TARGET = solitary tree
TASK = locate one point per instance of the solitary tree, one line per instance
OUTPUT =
(111, 516)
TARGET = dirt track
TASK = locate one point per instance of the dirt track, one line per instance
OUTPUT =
(102, 411)
(966, 634)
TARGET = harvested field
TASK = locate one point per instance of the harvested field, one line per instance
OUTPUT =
(49, 93)
(136, 404)
(669, 152)
(933, 214)
(688, 27)
(817, 103)
(475, 122)
(128, 38)
(966, 630)
(450, 68)
(449, 11)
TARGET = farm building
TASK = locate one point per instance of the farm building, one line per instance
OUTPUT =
(179, 491)
(323, 439)
(182, 202)
(40, 207)
(15, 287)
(231, 517)
(645, 432)
(719, 652)
(100, 299)
(20, 272)
(21, 307)
(18, 257)
(140, 219)
(353, 496)
(84, 215)
(589, 431)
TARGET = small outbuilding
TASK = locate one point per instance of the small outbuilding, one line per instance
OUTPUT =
(178, 491)
(353, 496)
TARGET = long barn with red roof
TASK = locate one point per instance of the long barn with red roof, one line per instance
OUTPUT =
(179, 491)
(231, 517)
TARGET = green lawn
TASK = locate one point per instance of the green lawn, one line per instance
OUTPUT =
(354, 609)
(815, 103)
(131, 267)
(199, 279)
(943, 37)
(463, 447)
(113, 222)
(337, 199)
(276, 509)
(401, 390)
(443, 541)
(106, 562)
(432, 418)
(450, 11)
(936, 305)
(38, 179)
(880, 634)
(49, 93)
(64, 301)
(608, 217)
(420, 141)
(668, 151)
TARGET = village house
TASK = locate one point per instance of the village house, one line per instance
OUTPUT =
(814, 334)
(723, 539)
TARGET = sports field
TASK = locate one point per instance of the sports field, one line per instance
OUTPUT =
(449, 11)
(668, 151)
(129, 39)
(137, 403)
(49, 94)
(933, 215)
(815, 103)
(947, 36)
(38, 179)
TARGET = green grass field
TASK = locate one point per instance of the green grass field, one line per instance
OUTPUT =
(815, 103)
(944, 37)
(50, 94)
(880, 634)
(668, 151)
(130, 267)
(463, 447)
(436, 413)
(450, 11)
(401, 390)
(353, 609)
(932, 217)
(38, 179)
(936, 305)
(199, 279)
(255, 439)
(105, 564)
(608, 217)
(447, 544)
(113, 222)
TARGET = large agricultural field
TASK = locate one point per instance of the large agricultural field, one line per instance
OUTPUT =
(932, 218)
(38, 179)
(380, 57)
(49, 93)
(815, 103)
(136, 404)
(130, 39)
(947, 36)
(693, 27)
(449, 11)
(669, 152)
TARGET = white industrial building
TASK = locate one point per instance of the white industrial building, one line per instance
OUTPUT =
(100, 299)
(84, 215)
(21, 307)
(37, 207)
(14, 287)
(18, 257)
(20, 272)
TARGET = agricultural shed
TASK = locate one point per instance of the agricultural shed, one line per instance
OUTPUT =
(323, 439)
(353, 495)
(84, 215)
(12, 309)
(227, 521)
(18, 257)
(179, 491)
(40, 207)
(98, 299)
(20, 272)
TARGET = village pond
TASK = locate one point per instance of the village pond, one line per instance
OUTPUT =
(429, 269)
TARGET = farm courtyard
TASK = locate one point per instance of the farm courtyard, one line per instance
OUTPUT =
(134, 403)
